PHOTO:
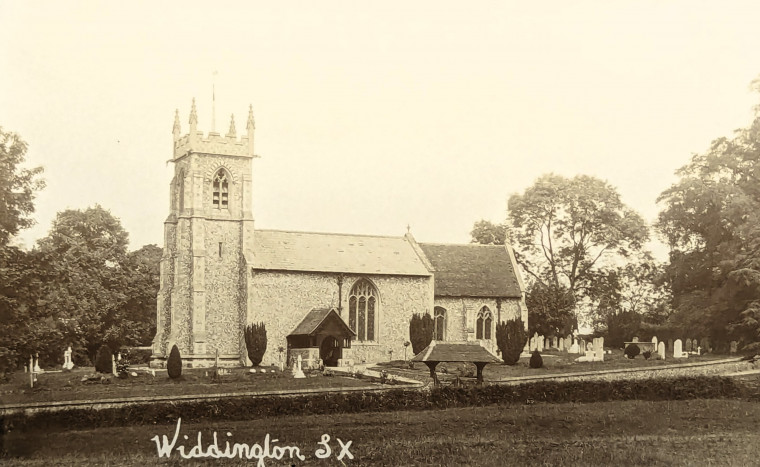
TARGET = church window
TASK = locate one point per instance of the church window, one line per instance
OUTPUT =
(221, 190)
(484, 324)
(439, 322)
(362, 310)
(181, 190)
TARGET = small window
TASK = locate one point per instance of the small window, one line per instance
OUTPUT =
(439, 322)
(220, 196)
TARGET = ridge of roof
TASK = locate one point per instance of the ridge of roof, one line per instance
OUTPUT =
(479, 245)
(333, 234)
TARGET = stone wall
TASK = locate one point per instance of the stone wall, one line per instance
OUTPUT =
(282, 299)
(461, 314)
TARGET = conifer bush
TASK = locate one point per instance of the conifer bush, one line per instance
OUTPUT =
(103, 363)
(174, 364)
(420, 331)
(536, 361)
(632, 350)
(510, 339)
(256, 342)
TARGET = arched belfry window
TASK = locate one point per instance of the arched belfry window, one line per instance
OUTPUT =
(221, 192)
(439, 323)
(484, 323)
(362, 310)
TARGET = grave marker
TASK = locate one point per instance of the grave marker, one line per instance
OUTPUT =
(661, 350)
(677, 349)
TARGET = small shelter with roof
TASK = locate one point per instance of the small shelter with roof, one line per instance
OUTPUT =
(456, 352)
(322, 335)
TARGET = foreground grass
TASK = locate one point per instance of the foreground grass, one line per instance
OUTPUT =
(555, 362)
(67, 386)
(693, 432)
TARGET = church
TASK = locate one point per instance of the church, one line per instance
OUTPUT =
(330, 297)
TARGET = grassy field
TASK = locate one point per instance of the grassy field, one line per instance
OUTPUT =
(693, 432)
(555, 362)
(67, 386)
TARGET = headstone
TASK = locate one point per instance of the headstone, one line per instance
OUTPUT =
(297, 371)
(688, 345)
(661, 350)
(561, 344)
(694, 345)
(589, 347)
(113, 365)
(654, 341)
(540, 343)
(568, 342)
(635, 339)
(532, 344)
(677, 349)
(699, 350)
(67, 363)
(734, 346)
(599, 349)
(37, 368)
(705, 344)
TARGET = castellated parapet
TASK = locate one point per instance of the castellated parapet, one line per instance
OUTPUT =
(213, 143)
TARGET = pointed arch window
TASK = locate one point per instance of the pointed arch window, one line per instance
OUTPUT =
(181, 191)
(439, 322)
(484, 323)
(220, 196)
(362, 310)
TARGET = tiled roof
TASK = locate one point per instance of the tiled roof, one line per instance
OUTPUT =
(455, 352)
(327, 252)
(472, 270)
(314, 319)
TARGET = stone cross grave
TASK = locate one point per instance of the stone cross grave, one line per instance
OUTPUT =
(67, 363)
(297, 371)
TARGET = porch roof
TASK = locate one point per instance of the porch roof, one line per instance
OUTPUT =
(316, 319)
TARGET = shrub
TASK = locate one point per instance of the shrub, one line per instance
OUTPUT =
(536, 361)
(256, 342)
(510, 339)
(174, 364)
(647, 354)
(420, 331)
(103, 363)
(632, 350)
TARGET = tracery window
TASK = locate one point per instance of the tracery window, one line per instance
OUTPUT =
(484, 323)
(439, 322)
(220, 190)
(362, 310)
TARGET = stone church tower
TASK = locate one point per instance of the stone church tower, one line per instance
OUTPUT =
(203, 300)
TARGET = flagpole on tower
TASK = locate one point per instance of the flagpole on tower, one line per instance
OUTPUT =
(213, 102)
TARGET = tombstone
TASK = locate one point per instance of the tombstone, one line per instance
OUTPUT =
(705, 344)
(113, 365)
(599, 349)
(37, 368)
(561, 344)
(297, 371)
(734, 346)
(655, 341)
(568, 342)
(677, 349)
(694, 345)
(540, 343)
(688, 345)
(635, 339)
(699, 350)
(532, 344)
(661, 350)
(67, 363)
(526, 349)
(589, 348)
(573, 346)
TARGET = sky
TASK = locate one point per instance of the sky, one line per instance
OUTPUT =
(371, 116)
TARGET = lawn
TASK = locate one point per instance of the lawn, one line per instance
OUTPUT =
(555, 362)
(67, 386)
(691, 432)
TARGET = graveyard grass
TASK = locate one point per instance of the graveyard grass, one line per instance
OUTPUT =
(67, 386)
(690, 432)
(555, 362)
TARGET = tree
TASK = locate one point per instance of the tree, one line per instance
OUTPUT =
(551, 310)
(510, 339)
(174, 363)
(256, 342)
(710, 220)
(420, 331)
(488, 233)
(104, 360)
(17, 186)
(142, 281)
(566, 228)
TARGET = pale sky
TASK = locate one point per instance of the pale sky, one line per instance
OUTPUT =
(373, 115)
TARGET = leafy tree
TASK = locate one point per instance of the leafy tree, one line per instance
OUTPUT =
(510, 339)
(551, 309)
(174, 363)
(142, 281)
(17, 186)
(256, 342)
(420, 331)
(488, 233)
(103, 360)
(710, 219)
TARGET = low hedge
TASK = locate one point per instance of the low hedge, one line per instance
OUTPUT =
(246, 408)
